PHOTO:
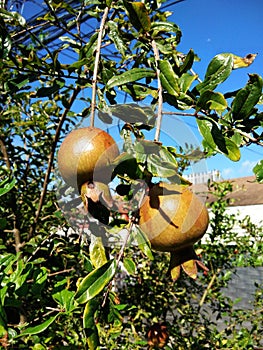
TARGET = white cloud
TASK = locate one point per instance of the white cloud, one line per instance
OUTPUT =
(247, 166)
(227, 173)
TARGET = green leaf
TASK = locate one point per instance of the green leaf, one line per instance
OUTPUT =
(217, 72)
(160, 168)
(131, 113)
(168, 78)
(166, 27)
(213, 101)
(95, 282)
(40, 276)
(132, 75)
(138, 15)
(114, 34)
(143, 242)
(39, 328)
(65, 298)
(258, 171)
(140, 91)
(129, 265)
(247, 98)
(216, 142)
(12, 18)
(188, 62)
(50, 90)
(89, 324)
(97, 252)
(6, 185)
(185, 81)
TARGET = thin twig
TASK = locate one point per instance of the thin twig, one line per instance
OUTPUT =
(96, 66)
(51, 159)
(160, 92)
(121, 252)
(208, 288)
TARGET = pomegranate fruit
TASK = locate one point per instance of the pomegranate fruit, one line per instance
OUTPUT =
(174, 218)
(85, 151)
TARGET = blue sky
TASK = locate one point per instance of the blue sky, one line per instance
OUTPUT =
(210, 27)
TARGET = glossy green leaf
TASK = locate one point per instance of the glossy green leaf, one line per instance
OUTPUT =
(142, 241)
(168, 78)
(258, 171)
(130, 76)
(140, 91)
(217, 72)
(65, 298)
(131, 113)
(89, 325)
(12, 17)
(185, 81)
(188, 62)
(160, 168)
(138, 15)
(114, 34)
(39, 328)
(97, 252)
(6, 185)
(247, 98)
(216, 142)
(129, 266)
(166, 27)
(95, 282)
(213, 101)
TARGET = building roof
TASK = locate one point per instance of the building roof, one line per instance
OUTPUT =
(246, 191)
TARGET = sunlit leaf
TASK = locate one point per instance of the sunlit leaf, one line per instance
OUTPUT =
(138, 15)
(258, 171)
(133, 74)
(247, 98)
(131, 113)
(129, 265)
(166, 27)
(39, 328)
(97, 252)
(6, 185)
(217, 72)
(168, 78)
(215, 140)
(95, 282)
(188, 62)
(213, 101)
(185, 81)
(89, 324)
(65, 298)
(114, 34)
(142, 241)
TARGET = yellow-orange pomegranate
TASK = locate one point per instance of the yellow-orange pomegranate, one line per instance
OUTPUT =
(174, 218)
(85, 151)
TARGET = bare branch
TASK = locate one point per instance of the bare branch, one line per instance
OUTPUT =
(96, 66)
(51, 159)
(160, 92)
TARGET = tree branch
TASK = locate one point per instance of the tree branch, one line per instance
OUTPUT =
(96, 66)
(51, 159)
(160, 93)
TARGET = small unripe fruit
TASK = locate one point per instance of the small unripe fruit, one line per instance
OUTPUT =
(86, 153)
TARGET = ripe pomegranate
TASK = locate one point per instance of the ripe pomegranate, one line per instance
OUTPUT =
(83, 152)
(174, 218)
